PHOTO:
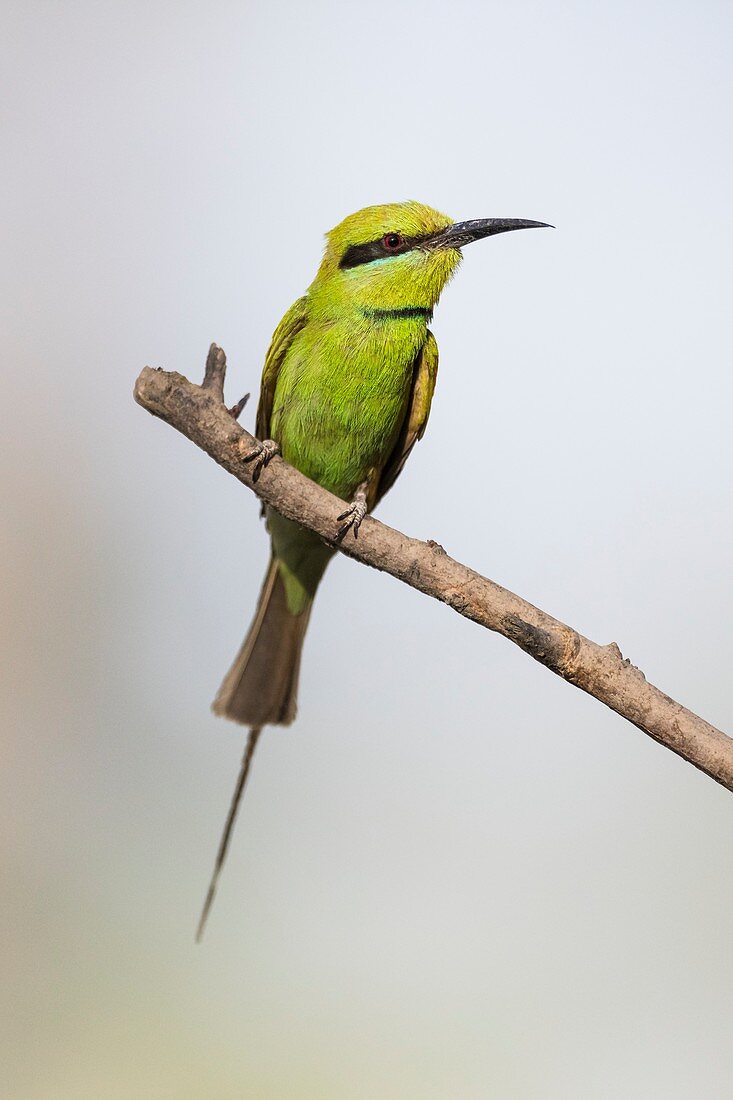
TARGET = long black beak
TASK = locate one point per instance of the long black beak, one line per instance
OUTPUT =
(462, 233)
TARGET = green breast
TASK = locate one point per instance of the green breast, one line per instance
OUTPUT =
(342, 396)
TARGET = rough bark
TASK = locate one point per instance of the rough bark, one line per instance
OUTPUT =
(199, 413)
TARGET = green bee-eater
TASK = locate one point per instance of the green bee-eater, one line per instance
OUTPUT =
(346, 392)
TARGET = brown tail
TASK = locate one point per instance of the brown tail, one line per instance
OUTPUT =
(261, 687)
(259, 690)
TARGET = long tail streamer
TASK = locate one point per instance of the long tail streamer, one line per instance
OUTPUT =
(226, 836)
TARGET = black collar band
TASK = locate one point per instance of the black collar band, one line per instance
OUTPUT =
(404, 313)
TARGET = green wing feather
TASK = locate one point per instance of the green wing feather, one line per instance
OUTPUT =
(282, 338)
(424, 375)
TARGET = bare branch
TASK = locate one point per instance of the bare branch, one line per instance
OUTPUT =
(216, 366)
(200, 414)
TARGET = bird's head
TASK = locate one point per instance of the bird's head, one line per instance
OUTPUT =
(397, 256)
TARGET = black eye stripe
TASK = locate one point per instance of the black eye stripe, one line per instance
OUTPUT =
(357, 254)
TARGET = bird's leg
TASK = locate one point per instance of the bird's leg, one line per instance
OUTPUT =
(355, 513)
(261, 454)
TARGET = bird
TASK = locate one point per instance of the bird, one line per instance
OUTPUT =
(345, 395)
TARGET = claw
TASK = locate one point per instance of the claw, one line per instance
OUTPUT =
(353, 515)
(261, 454)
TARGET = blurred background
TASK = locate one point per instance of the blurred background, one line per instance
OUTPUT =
(455, 876)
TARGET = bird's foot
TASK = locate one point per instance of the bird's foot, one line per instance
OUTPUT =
(261, 454)
(354, 514)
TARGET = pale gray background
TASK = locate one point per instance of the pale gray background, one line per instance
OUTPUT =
(456, 876)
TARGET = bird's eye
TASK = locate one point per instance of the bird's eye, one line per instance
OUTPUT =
(392, 241)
